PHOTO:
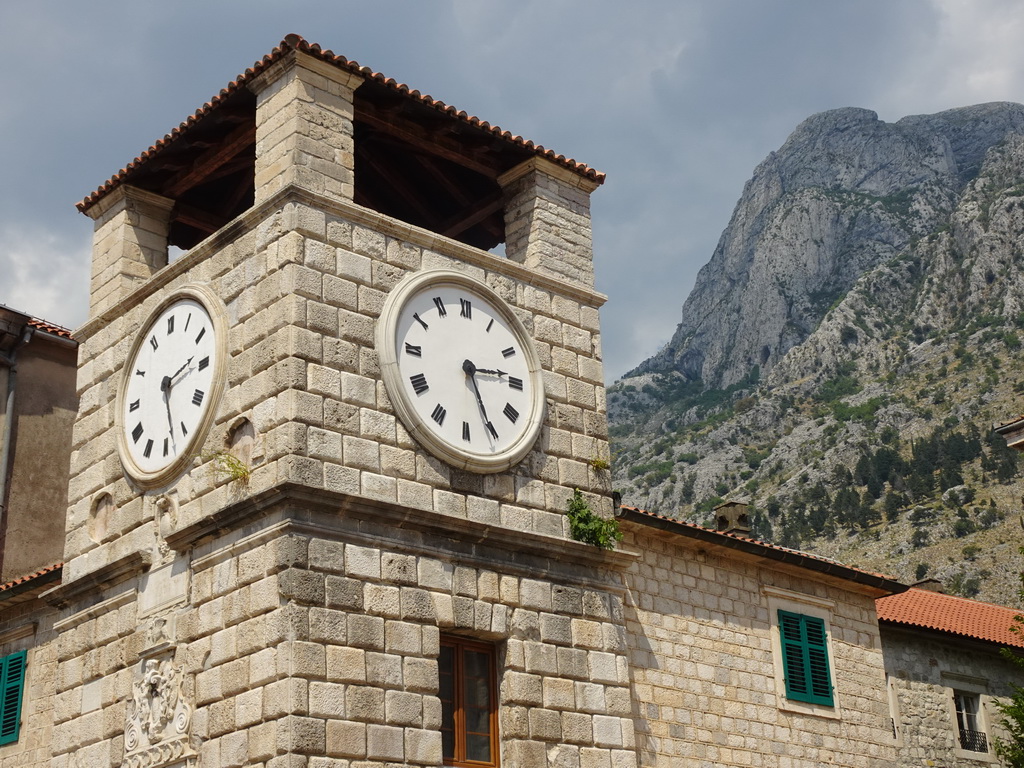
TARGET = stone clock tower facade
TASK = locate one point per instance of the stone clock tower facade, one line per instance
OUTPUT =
(322, 458)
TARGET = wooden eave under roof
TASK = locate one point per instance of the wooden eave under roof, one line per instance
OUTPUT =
(417, 159)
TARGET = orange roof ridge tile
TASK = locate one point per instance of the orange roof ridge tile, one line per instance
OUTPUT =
(296, 42)
(951, 614)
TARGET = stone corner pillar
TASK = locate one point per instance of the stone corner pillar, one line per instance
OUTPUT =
(304, 134)
(129, 244)
(547, 220)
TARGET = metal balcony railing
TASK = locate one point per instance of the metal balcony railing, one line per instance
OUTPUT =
(973, 741)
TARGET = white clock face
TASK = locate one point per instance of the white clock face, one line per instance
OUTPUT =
(169, 388)
(463, 373)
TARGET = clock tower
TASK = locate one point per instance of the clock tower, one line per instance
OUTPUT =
(322, 458)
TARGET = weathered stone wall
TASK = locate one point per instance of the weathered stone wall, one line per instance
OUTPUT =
(303, 288)
(29, 625)
(704, 680)
(318, 646)
(924, 669)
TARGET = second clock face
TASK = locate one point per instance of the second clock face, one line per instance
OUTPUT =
(467, 372)
(169, 386)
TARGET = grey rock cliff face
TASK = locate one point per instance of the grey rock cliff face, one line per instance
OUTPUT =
(845, 193)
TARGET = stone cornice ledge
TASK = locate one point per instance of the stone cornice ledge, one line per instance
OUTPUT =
(106, 575)
(249, 219)
(387, 516)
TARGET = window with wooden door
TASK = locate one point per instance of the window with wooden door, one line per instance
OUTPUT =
(469, 711)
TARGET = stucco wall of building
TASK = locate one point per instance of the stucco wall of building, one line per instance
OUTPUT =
(45, 407)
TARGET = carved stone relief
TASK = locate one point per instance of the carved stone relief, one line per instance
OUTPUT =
(156, 730)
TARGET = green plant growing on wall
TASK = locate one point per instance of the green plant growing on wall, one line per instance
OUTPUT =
(227, 465)
(588, 527)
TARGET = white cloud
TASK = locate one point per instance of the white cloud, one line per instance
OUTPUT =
(44, 274)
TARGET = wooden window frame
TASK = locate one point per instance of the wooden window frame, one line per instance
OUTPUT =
(459, 646)
(806, 657)
(12, 688)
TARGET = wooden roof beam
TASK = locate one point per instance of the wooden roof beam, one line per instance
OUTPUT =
(400, 186)
(423, 141)
(470, 217)
(212, 159)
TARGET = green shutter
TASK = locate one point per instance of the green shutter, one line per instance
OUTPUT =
(805, 658)
(12, 682)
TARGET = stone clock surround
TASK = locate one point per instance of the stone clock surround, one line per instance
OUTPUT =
(303, 288)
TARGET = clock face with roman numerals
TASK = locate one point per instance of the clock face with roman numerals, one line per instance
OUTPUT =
(170, 387)
(461, 371)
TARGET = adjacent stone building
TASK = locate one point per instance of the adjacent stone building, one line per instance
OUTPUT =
(320, 466)
(944, 669)
(748, 654)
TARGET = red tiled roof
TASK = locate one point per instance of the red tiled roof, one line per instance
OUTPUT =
(295, 42)
(56, 330)
(765, 549)
(955, 615)
(29, 577)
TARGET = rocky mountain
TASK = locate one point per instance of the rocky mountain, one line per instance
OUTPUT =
(845, 193)
(846, 349)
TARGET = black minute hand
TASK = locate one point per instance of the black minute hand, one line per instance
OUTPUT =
(493, 373)
(470, 371)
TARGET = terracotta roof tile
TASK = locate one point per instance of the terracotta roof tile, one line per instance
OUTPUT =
(951, 614)
(295, 42)
(796, 556)
(56, 330)
(29, 577)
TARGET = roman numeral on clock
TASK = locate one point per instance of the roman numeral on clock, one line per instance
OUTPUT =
(153, 343)
(149, 448)
(489, 325)
(197, 397)
(515, 383)
(440, 306)
(165, 446)
(412, 349)
(137, 432)
(419, 320)
(204, 363)
(511, 412)
(184, 429)
(465, 430)
(508, 352)
(170, 327)
(200, 336)
(134, 406)
(467, 309)
(419, 383)
(438, 414)
(492, 430)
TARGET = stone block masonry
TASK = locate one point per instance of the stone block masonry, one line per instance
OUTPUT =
(705, 684)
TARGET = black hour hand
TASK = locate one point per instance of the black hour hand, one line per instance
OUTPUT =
(493, 373)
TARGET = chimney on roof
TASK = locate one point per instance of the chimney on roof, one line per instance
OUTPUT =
(930, 585)
(733, 517)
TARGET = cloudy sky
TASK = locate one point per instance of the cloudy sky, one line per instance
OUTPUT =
(676, 100)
